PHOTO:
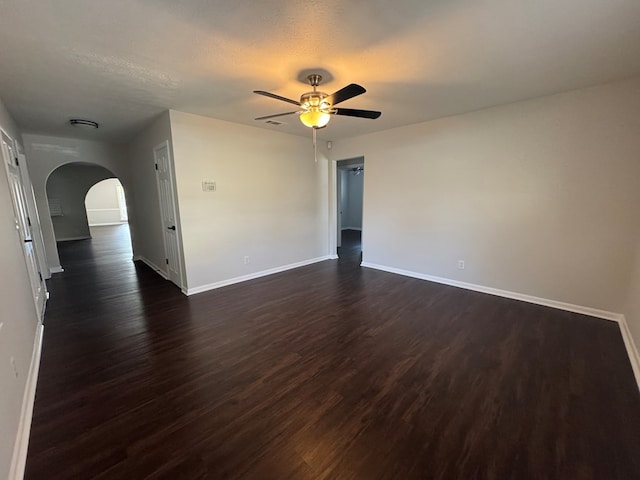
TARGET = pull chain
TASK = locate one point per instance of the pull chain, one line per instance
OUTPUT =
(315, 145)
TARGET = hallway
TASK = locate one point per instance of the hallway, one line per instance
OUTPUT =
(351, 248)
(329, 371)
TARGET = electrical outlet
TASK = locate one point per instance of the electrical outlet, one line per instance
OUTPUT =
(461, 264)
(247, 260)
(12, 361)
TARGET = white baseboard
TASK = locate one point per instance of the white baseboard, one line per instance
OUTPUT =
(632, 351)
(592, 312)
(108, 224)
(151, 265)
(70, 239)
(21, 444)
(56, 269)
(333, 257)
(251, 276)
(629, 344)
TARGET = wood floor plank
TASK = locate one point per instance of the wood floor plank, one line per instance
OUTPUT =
(329, 371)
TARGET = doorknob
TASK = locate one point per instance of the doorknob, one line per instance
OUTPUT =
(172, 227)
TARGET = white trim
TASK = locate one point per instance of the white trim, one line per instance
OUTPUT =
(69, 239)
(108, 224)
(592, 312)
(629, 344)
(632, 351)
(333, 257)
(151, 265)
(103, 209)
(56, 269)
(251, 276)
(21, 444)
(174, 209)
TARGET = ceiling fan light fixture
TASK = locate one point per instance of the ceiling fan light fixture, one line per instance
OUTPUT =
(317, 107)
(314, 118)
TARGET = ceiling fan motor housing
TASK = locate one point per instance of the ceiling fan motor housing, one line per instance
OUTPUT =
(315, 100)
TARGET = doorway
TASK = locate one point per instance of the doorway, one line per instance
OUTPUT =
(69, 188)
(86, 201)
(106, 204)
(349, 202)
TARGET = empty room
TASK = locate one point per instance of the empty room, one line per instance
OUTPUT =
(304, 239)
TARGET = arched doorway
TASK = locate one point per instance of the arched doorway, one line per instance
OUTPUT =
(67, 189)
(106, 204)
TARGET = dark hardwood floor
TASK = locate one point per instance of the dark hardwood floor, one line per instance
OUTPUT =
(329, 371)
(351, 249)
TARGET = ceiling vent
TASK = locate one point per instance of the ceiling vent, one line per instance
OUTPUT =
(274, 122)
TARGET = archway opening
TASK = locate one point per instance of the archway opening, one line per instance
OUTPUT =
(87, 201)
(106, 204)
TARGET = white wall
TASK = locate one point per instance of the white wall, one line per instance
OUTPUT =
(46, 153)
(351, 188)
(103, 204)
(354, 201)
(148, 241)
(538, 197)
(19, 319)
(344, 197)
(271, 202)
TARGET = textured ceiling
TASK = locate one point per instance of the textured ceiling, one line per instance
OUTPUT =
(122, 62)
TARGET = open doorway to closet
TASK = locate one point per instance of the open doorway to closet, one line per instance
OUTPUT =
(350, 192)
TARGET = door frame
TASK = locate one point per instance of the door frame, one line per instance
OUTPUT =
(174, 207)
(334, 203)
(34, 215)
(25, 226)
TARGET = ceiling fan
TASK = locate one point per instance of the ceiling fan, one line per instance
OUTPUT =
(317, 107)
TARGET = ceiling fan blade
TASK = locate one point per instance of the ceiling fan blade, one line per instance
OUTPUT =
(350, 91)
(350, 112)
(275, 115)
(277, 97)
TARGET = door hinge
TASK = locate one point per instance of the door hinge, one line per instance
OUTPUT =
(40, 275)
(167, 261)
(29, 221)
(17, 162)
(156, 166)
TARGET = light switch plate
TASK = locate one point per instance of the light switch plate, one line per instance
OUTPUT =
(208, 186)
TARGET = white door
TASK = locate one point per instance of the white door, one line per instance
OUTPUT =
(164, 177)
(23, 223)
(32, 211)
